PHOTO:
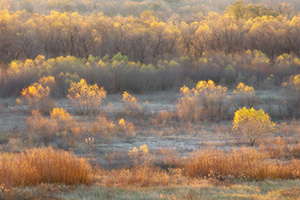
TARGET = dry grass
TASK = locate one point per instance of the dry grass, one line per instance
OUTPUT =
(245, 163)
(44, 165)
(280, 149)
(139, 176)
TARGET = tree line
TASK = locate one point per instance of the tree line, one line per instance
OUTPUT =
(147, 38)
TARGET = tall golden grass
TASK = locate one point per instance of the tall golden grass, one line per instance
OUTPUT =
(43, 165)
(245, 163)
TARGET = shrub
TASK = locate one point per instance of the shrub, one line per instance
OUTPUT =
(186, 107)
(125, 128)
(38, 95)
(102, 126)
(49, 82)
(86, 99)
(291, 94)
(163, 117)
(246, 96)
(131, 105)
(40, 128)
(44, 165)
(64, 121)
(206, 101)
(45, 130)
(143, 173)
(252, 124)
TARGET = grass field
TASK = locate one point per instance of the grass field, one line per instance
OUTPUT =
(146, 153)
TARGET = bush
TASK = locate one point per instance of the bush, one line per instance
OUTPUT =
(64, 121)
(131, 105)
(86, 99)
(40, 128)
(291, 94)
(125, 128)
(38, 95)
(206, 101)
(246, 96)
(252, 124)
(102, 126)
(45, 130)
(44, 165)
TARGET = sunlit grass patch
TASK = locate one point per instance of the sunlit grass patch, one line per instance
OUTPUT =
(43, 165)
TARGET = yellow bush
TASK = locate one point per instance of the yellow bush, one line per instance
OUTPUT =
(45, 130)
(48, 81)
(86, 98)
(206, 101)
(125, 128)
(37, 95)
(65, 121)
(43, 165)
(252, 124)
(60, 113)
(246, 96)
(131, 105)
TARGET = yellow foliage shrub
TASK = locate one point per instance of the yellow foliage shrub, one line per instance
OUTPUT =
(60, 113)
(65, 121)
(206, 101)
(131, 105)
(45, 129)
(48, 81)
(86, 99)
(252, 124)
(125, 128)
(38, 95)
(43, 165)
(246, 96)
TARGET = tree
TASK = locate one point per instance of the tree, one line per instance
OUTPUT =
(251, 124)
